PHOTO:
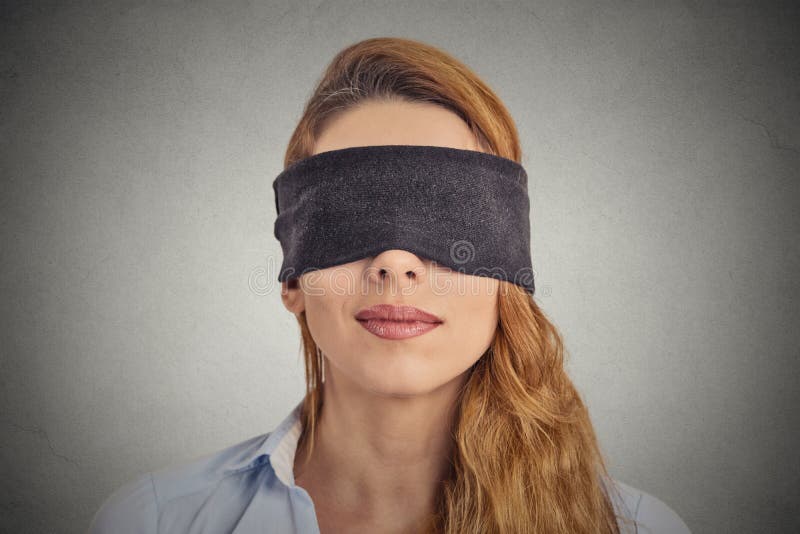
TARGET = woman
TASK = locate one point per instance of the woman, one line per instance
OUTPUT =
(469, 425)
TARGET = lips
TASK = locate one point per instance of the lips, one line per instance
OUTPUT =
(388, 312)
(397, 322)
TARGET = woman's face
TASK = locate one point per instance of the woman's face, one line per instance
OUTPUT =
(332, 298)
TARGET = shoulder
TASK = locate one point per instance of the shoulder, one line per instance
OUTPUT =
(652, 515)
(135, 506)
(131, 508)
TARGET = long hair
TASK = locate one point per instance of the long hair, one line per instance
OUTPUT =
(525, 455)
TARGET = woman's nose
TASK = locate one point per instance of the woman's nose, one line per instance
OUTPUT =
(401, 269)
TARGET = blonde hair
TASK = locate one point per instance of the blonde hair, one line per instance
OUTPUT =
(526, 458)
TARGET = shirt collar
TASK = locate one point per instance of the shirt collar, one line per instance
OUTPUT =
(278, 446)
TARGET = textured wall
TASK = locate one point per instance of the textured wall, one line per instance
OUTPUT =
(139, 141)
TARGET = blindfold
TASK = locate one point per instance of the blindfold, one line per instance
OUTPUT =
(463, 209)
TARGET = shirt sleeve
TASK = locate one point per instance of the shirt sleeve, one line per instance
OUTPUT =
(655, 517)
(131, 509)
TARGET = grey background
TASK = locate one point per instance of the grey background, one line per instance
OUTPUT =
(140, 323)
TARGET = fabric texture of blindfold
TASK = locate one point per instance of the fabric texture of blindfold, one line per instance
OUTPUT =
(464, 209)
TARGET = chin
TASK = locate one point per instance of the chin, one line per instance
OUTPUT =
(394, 381)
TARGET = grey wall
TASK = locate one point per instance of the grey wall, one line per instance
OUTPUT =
(139, 141)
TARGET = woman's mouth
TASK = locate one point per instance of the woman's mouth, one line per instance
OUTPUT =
(397, 329)
(397, 322)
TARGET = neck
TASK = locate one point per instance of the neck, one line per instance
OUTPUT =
(374, 451)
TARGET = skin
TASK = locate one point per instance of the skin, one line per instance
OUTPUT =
(383, 436)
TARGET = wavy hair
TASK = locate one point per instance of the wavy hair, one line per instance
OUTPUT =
(525, 455)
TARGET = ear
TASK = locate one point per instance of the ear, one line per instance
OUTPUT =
(292, 296)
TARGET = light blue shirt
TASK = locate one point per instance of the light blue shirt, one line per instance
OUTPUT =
(249, 488)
